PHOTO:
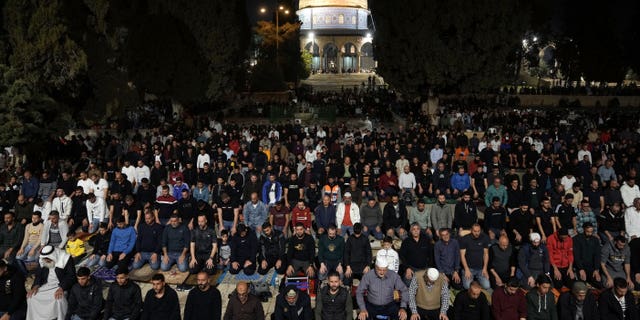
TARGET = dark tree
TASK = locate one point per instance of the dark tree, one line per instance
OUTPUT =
(164, 59)
(453, 46)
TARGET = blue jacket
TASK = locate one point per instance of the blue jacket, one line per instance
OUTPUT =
(255, 217)
(30, 187)
(122, 240)
(460, 182)
(265, 191)
(325, 216)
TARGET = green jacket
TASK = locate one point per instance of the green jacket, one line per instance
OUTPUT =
(500, 192)
(330, 249)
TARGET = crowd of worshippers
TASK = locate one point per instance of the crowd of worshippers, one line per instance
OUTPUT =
(249, 203)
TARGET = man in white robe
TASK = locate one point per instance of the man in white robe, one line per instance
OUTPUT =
(47, 298)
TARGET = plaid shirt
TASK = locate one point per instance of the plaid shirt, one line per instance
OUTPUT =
(444, 296)
(584, 217)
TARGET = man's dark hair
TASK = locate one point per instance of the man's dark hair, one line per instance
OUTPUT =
(299, 224)
(333, 274)
(158, 277)
(357, 228)
(542, 279)
(513, 282)
(620, 283)
(83, 272)
(54, 213)
(266, 225)
(122, 270)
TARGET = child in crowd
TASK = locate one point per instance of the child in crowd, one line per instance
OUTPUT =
(224, 250)
(75, 246)
(100, 243)
(388, 252)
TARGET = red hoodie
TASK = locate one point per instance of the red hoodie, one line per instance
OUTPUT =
(560, 252)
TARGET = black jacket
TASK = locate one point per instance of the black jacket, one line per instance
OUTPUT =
(300, 311)
(390, 220)
(167, 307)
(417, 254)
(86, 302)
(567, 307)
(66, 276)
(123, 301)
(100, 243)
(12, 291)
(203, 305)
(466, 308)
(357, 253)
(273, 247)
(610, 308)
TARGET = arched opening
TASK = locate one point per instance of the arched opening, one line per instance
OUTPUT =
(330, 58)
(367, 64)
(349, 58)
(314, 49)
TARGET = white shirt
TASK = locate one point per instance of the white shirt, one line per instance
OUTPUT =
(86, 185)
(629, 193)
(632, 222)
(583, 153)
(482, 145)
(63, 205)
(407, 180)
(310, 155)
(45, 210)
(567, 182)
(96, 210)
(130, 171)
(495, 145)
(142, 172)
(392, 258)
(99, 188)
(202, 158)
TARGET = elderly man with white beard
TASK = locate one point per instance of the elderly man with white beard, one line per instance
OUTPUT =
(47, 298)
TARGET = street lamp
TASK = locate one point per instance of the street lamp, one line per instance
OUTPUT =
(278, 9)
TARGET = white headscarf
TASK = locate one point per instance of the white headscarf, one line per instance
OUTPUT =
(57, 255)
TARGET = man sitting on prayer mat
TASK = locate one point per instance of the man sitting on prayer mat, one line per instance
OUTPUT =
(47, 298)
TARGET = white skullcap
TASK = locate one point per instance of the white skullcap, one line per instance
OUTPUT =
(534, 237)
(382, 262)
(347, 194)
(433, 274)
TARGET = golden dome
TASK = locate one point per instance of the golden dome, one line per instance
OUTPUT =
(333, 3)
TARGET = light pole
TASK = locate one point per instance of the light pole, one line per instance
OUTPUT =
(277, 10)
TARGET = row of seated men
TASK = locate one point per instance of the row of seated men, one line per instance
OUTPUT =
(59, 292)
(470, 255)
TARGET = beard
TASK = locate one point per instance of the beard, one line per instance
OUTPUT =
(48, 264)
(203, 286)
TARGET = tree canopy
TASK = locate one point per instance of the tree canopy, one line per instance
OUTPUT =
(93, 58)
(475, 46)
(454, 45)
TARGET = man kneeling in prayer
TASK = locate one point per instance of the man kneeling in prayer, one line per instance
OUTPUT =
(47, 298)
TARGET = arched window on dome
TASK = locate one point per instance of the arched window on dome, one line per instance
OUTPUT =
(341, 19)
(354, 20)
(327, 19)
